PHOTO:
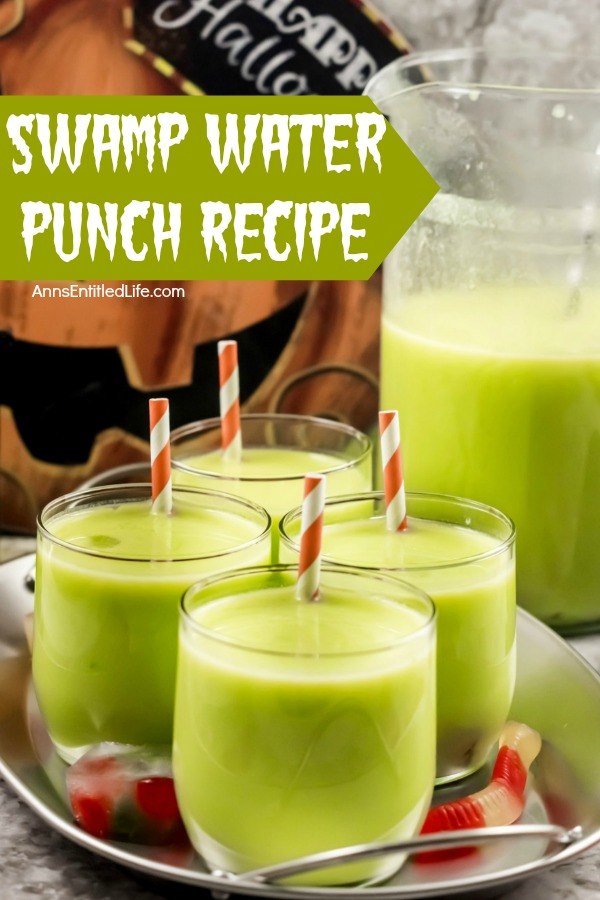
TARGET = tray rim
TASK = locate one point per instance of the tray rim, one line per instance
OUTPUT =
(221, 885)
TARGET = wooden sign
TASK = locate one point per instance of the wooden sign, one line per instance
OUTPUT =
(82, 415)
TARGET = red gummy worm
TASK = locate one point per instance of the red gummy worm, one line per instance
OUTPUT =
(500, 803)
(509, 769)
(460, 814)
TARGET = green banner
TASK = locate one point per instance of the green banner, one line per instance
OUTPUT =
(202, 188)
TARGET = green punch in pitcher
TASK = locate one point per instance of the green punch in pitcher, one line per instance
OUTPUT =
(491, 323)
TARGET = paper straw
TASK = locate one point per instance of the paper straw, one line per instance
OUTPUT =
(393, 480)
(311, 533)
(160, 456)
(229, 397)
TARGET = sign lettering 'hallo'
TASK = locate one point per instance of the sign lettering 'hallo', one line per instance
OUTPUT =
(280, 47)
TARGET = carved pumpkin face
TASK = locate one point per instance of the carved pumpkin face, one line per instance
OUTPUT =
(96, 362)
(86, 407)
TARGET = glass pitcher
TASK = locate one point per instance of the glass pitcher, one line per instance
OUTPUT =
(491, 317)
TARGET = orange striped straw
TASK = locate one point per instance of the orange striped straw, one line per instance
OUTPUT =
(229, 397)
(393, 479)
(311, 534)
(160, 456)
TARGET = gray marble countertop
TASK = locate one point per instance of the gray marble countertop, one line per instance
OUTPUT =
(36, 862)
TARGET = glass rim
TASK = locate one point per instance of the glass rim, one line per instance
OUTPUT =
(416, 60)
(205, 425)
(450, 499)
(123, 469)
(50, 509)
(187, 618)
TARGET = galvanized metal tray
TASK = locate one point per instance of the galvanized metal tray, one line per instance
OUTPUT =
(557, 693)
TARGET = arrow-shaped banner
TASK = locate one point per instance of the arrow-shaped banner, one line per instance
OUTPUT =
(202, 188)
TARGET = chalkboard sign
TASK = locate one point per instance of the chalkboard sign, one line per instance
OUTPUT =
(282, 47)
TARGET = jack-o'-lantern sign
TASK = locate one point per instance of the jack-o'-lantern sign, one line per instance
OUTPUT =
(81, 369)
